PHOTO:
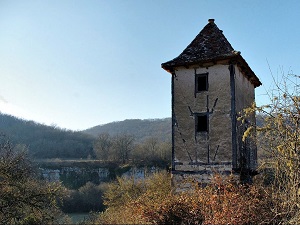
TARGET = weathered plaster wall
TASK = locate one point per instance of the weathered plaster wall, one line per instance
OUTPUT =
(214, 146)
(182, 182)
(245, 96)
(244, 91)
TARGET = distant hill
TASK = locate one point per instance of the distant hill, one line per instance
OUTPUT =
(51, 142)
(46, 141)
(140, 129)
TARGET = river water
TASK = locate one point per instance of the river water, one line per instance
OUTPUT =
(78, 217)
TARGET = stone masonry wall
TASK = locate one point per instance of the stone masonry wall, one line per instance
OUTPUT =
(213, 146)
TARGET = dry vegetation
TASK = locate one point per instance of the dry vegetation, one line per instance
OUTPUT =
(278, 140)
(273, 198)
(224, 201)
(24, 199)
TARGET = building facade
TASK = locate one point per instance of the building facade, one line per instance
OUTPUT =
(211, 84)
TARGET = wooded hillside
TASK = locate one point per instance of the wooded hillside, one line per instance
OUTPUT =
(46, 141)
(140, 129)
(53, 142)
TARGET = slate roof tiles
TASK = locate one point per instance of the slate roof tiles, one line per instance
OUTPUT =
(209, 45)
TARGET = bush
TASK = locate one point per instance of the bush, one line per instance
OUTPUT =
(278, 138)
(86, 199)
(224, 201)
(23, 198)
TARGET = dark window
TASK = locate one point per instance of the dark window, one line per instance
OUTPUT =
(202, 123)
(201, 83)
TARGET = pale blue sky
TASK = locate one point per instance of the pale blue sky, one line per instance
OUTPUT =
(81, 63)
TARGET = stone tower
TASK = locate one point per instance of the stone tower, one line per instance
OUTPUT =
(211, 84)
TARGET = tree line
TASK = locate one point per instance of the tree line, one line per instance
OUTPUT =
(123, 149)
(50, 142)
(46, 141)
(140, 129)
(272, 198)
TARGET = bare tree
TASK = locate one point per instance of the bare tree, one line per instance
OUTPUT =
(23, 198)
(151, 146)
(123, 145)
(279, 138)
(102, 146)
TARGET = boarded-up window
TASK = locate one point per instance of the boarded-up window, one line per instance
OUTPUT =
(201, 123)
(201, 82)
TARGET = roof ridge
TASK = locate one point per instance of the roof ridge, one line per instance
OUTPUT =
(209, 44)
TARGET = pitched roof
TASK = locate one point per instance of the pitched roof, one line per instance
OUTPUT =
(209, 45)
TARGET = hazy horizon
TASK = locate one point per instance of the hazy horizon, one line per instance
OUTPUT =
(57, 126)
(79, 63)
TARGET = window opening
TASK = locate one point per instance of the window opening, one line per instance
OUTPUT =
(201, 83)
(202, 123)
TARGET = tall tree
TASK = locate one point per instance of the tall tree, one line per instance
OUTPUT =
(123, 145)
(102, 146)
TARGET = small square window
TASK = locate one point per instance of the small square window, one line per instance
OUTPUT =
(201, 123)
(201, 82)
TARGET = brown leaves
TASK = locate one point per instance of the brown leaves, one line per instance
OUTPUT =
(224, 201)
(23, 198)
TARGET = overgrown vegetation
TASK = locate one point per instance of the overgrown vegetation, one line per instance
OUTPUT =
(273, 198)
(23, 198)
(278, 139)
(86, 199)
(151, 201)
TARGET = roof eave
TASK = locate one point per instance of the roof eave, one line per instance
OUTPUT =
(247, 71)
(169, 66)
(235, 59)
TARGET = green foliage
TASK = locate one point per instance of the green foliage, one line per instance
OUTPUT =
(76, 179)
(23, 198)
(86, 199)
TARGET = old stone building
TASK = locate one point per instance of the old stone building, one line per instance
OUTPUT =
(211, 84)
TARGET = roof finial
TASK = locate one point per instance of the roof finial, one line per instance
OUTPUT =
(211, 20)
